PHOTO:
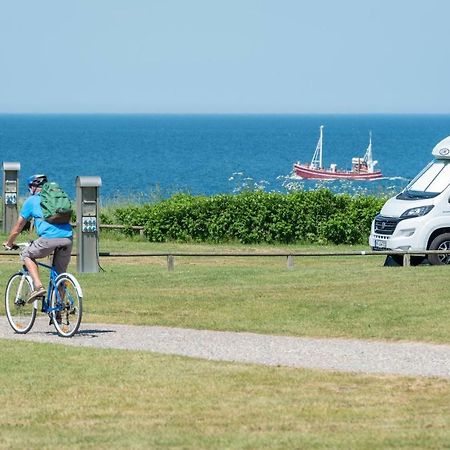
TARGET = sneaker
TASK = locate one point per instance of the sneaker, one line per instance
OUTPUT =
(38, 292)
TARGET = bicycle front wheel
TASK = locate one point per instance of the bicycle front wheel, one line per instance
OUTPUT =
(66, 305)
(21, 315)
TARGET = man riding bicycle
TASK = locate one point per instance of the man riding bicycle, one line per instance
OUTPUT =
(53, 238)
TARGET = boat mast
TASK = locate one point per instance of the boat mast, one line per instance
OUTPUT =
(316, 161)
(368, 156)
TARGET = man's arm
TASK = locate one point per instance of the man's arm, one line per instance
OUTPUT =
(16, 230)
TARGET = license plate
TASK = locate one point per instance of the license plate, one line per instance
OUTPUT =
(380, 243)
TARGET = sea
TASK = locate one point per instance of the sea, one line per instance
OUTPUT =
(145, 158)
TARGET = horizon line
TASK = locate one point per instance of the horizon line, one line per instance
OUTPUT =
(124, 113)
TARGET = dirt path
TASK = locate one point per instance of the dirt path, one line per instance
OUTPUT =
(346, 355)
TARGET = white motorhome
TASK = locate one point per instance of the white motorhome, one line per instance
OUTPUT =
(419, 217)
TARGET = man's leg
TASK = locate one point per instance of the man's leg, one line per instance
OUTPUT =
(61, 258)
(33, 271)
(39, 248)
(39, 290)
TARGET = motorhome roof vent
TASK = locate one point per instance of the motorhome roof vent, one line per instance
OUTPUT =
(442, 149)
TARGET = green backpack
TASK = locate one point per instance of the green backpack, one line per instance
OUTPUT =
(55, 203)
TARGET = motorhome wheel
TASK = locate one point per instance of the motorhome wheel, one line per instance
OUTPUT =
(441, 242)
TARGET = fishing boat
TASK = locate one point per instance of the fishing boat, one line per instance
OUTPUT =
(362, 168)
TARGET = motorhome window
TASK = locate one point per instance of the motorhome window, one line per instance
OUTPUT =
(423, 182)
(431, 182)
(441, 181)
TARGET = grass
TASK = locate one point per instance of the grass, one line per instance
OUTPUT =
(332, 297)
(118, 399)
(352, 297)
(83, 398)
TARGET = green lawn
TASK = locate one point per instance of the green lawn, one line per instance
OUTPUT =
(55, 396)
(59, 397)
(321, 296)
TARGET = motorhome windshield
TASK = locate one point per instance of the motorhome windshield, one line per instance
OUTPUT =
(429, 183)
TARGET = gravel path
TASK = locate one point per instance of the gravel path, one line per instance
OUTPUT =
(346, 355)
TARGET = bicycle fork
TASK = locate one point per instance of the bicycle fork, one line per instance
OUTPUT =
(19, 301)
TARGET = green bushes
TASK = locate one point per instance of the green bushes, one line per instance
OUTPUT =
(257, 217)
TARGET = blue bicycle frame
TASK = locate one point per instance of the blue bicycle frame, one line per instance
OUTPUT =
(46, 301)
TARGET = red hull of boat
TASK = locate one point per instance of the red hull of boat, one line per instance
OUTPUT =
(324, 174)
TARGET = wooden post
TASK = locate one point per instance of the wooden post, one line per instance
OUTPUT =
(406, 260)
(290, 262)
(170, 263)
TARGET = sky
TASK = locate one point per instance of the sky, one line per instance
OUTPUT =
(224, 56)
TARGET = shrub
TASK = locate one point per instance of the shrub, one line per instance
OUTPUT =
(256, 217)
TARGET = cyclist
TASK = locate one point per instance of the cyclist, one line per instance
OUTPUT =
(55, 238)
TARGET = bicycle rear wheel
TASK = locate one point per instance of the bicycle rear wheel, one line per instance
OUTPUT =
(66, 305)
(21, 315)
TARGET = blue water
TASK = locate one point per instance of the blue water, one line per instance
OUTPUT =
(143, 156)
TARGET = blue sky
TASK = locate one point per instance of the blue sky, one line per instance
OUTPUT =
(229, 56)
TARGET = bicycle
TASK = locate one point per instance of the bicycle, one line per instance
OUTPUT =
(63, 302)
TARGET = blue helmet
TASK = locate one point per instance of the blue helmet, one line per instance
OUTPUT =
(36, 180)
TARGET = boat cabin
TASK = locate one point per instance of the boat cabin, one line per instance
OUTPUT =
(359, 165)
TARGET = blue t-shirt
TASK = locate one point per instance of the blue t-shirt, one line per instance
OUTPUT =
(32, 209)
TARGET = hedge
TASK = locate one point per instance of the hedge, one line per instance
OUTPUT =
(257, 217)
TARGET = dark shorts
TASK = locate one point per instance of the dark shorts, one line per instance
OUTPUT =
(41, 247)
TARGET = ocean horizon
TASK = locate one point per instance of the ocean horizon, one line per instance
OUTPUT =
(143, 156)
